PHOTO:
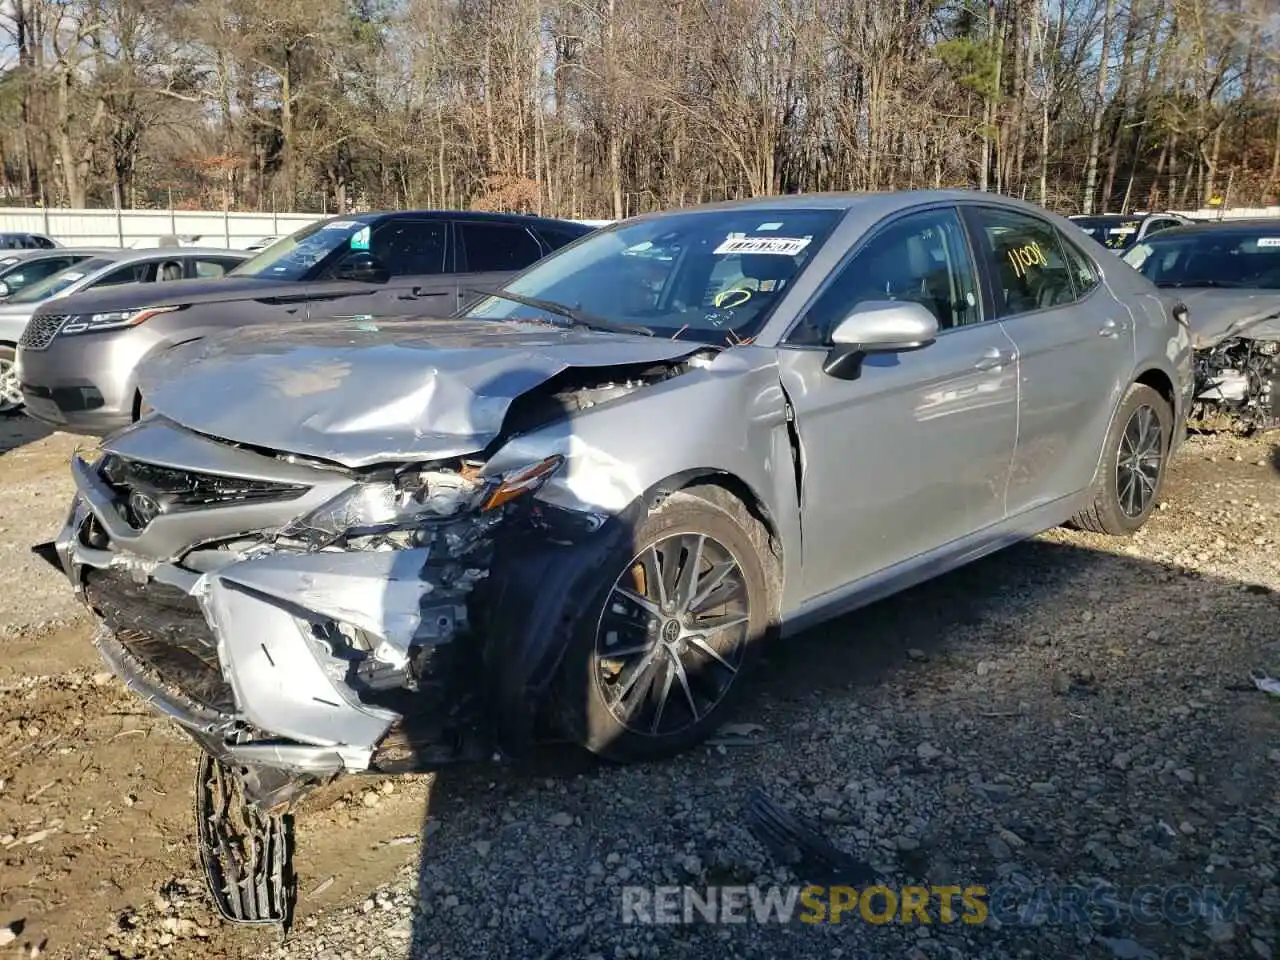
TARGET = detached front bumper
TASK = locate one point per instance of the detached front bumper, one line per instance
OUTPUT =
(240, 658)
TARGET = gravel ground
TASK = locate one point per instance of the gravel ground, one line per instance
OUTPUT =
(1073, 711)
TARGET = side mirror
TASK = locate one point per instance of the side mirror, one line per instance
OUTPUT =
(361, 268)
(878, 326)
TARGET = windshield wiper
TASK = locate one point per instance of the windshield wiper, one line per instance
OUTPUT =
(576, 317)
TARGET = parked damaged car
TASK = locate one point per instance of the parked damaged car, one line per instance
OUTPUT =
(1228, 276)
(577, 508)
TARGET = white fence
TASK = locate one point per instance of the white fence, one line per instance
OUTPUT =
(144, 228)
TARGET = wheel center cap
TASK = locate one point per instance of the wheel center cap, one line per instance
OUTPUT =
(671, 631)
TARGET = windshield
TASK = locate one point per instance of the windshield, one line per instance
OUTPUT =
(1237, 258)
(1118, 233)
(58, 282)
(705, 275)
(296, 256)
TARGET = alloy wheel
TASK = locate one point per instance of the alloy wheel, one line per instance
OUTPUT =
(10, 391)
(672, 634)
(1139, 461)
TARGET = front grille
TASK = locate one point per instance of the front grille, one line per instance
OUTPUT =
(41, 330)
(165, 488)
(165, 629)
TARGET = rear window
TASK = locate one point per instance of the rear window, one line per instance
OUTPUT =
(497, 246)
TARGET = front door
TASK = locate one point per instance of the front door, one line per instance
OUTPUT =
(915, 452)
(415, 254)
(1075, 345)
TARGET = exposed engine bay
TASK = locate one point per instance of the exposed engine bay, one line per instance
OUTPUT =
(1239, 378)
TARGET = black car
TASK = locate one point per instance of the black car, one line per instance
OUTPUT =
(78, 353)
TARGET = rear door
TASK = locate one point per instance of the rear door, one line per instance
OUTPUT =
(415, 253)
(487, 254)
(1075, 348)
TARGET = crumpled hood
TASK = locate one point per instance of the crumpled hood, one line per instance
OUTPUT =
(1216, 314)
(365, 393)
(129, 296)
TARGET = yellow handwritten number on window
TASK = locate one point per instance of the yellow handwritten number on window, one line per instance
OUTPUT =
(1025, 257)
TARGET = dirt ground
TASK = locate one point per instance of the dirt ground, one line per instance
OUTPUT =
(97, 854)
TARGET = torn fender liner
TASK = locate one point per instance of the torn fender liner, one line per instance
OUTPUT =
(537, 591)
(247, 855)
(410, 390)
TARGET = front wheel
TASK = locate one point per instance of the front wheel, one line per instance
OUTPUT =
(658, 657)
(10, 390)
(1132, 471)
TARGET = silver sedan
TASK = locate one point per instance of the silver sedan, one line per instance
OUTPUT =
(587, 499)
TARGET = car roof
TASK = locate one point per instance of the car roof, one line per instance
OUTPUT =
(1242, 225)
(117, 255)
(479, 216)
(877, 203)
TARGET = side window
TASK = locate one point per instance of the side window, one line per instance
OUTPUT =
(170, 270)
(922, 257)
(1083, 272)
(133, 273)
(496, 246)
(210, 268)
(410, 247)
(1027, 268)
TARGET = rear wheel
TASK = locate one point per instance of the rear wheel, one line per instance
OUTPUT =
(1131, 474)
(657, 659)
(10, 391)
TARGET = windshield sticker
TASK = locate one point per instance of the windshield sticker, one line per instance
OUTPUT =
(1025, 257)
(770, 226)
(779, 246)
(360, 239)
(340, 225)
(1269, 241)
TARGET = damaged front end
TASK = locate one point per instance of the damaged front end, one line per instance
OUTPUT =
(1237, 358)
(299, 621)
(1238, 378)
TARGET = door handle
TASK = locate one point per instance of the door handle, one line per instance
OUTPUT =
(993, 359)
(1112, 329)
(417, 292)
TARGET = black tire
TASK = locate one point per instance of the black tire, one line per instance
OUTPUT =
(582, 704)
(1115, 509)
(8, 354)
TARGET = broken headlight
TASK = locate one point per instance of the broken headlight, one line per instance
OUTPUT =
(408, 501)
